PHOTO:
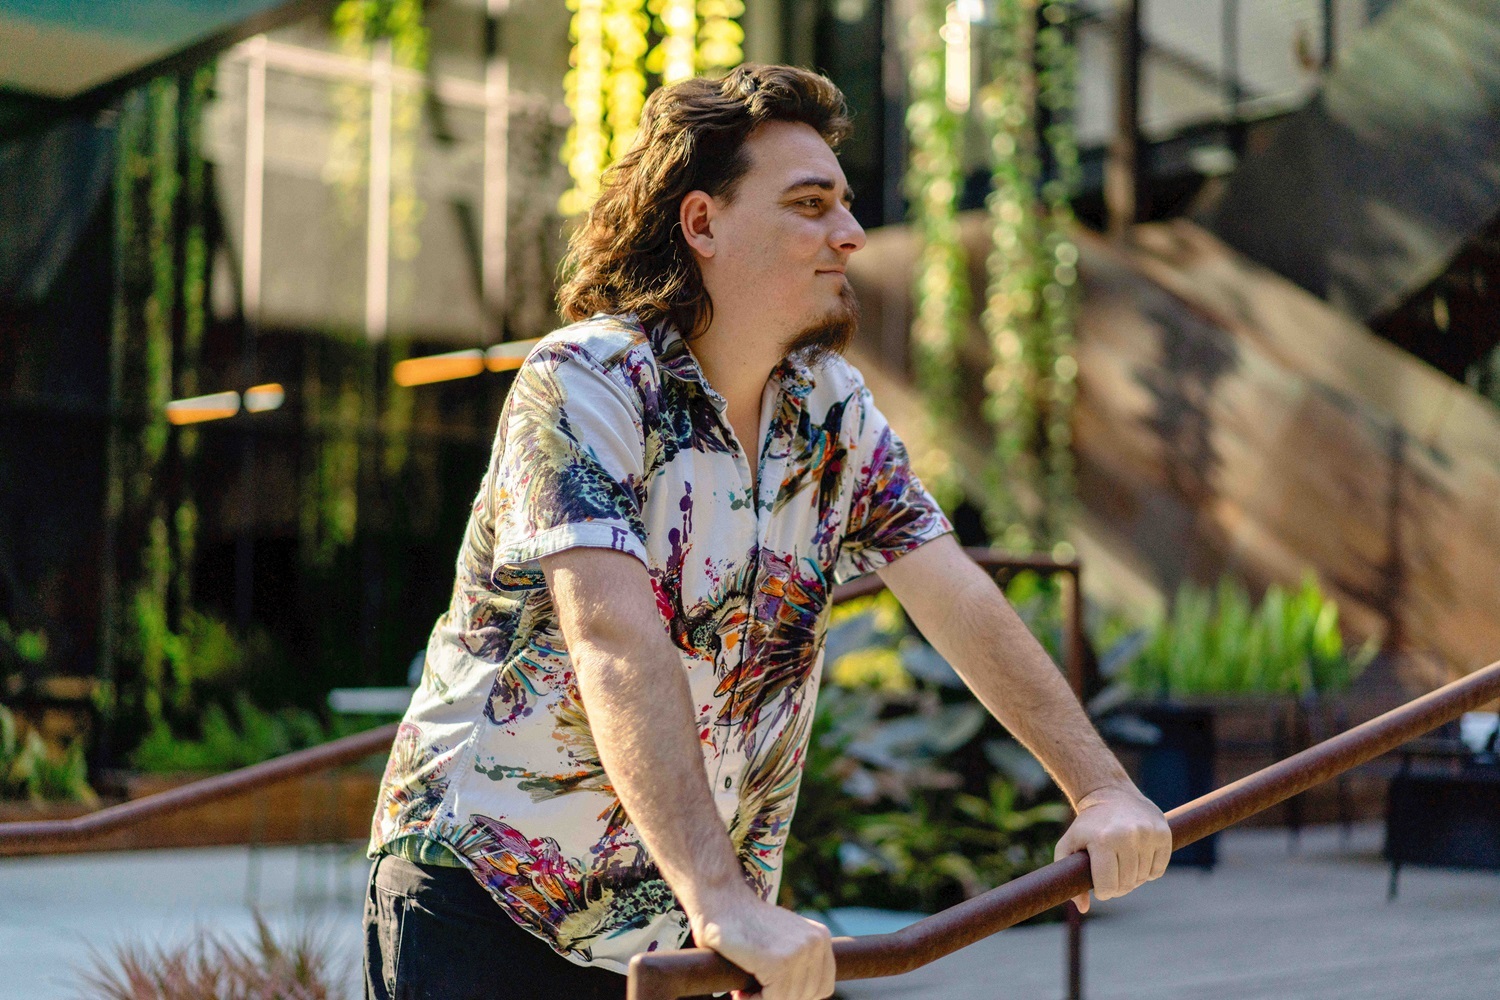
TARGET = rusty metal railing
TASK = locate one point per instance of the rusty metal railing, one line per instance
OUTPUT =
(47, 835)
(673, 974)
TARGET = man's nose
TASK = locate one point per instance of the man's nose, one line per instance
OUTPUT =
(849, 235)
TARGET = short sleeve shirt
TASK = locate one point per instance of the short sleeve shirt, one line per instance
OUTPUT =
(612, 438)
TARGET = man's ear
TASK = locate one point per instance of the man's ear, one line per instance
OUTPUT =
(696, 219)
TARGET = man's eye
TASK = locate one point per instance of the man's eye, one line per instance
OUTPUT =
(812, 202)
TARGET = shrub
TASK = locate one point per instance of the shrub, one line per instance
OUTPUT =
(213, 966)
(1218, 643)
(912, 797)
(30, 769)
(253, 735)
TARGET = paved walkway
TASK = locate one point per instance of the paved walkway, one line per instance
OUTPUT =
(1265, 925)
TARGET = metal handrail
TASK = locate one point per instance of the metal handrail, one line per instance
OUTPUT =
(43, 836)
(673, 974)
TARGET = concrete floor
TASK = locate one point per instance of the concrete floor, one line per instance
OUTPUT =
(56, 913)
(1264, 925)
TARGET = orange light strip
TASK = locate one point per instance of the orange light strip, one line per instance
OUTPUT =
(509, 355)
(215, 406)
(262, 398)
(438, 367)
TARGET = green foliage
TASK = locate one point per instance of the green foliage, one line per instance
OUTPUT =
(29, 769)
(940, 288)
(946, 848)
(225, 743)
(27, 647)
(912, 796)
(1030, 298)
(201, 657)
(1218, 643)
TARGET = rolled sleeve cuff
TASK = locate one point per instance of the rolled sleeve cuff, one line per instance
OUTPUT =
(518, 566)
(855, 563)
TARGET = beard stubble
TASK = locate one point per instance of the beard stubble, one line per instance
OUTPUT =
(829, 334)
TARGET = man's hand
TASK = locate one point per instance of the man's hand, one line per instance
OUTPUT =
(1127, 837)
(790, 956)
(966, 618)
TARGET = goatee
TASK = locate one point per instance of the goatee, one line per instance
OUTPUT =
(830, 334)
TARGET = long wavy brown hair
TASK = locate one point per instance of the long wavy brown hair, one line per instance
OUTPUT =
(629, 256)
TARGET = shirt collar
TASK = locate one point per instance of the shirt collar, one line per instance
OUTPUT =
(674, 357)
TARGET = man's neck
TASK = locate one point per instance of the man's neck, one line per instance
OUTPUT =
(737, 364)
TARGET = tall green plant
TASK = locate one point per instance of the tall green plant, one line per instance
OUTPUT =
(1218, 642)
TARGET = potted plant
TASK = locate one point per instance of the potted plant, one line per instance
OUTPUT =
(1215, 654)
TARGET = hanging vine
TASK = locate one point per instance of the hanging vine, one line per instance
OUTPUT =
(675, 57)
(940, 290)
(153, 592)
(1058, 69)
(586, 147)
(1031, 268)
(195, 265)
(720, 38)
(158, 323)
(614, 63)
(331, 511)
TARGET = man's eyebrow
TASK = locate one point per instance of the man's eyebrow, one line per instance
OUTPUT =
(819, 182)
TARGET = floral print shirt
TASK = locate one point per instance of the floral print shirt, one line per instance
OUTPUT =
(612, 438)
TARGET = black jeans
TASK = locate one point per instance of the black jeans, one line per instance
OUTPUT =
(434, 933)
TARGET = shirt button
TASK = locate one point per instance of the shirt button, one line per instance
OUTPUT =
(728, 782)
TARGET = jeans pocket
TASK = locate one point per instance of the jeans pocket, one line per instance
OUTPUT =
(390, 915)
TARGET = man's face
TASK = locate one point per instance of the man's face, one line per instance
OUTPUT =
(781, 245)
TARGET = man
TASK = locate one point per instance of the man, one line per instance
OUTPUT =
(603, 755)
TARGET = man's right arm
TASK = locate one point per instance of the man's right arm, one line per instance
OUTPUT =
(640, 711)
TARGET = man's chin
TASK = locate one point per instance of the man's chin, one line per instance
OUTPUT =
(830, 334)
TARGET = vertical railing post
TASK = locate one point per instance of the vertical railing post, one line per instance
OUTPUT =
(1122, 172)
(1074, 659)
(1229, 59)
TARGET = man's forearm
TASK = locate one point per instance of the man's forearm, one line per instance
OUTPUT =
(641, 714)
(1009, 671)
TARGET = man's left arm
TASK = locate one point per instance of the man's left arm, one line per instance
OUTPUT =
(967, 619)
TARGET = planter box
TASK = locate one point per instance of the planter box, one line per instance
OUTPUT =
(1251, 733)
(318, 808)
